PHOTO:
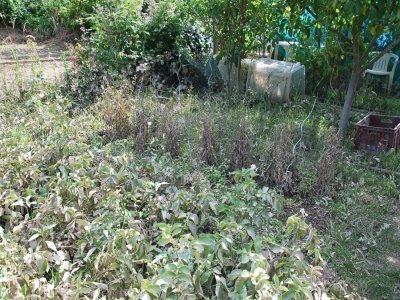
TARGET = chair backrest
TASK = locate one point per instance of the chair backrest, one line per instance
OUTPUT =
(382, 63)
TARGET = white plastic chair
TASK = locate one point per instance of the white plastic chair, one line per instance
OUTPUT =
(380, 67)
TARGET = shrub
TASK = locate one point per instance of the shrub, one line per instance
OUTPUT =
(126, 43)
(75, 13)
(45, 17)
(13, 12)
(108, 53)
(325, 67)
(162, 31)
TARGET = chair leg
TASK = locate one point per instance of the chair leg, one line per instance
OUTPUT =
(390, 83)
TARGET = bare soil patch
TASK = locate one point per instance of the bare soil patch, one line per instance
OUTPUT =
(14, 45)
(315, 215)
(20, 59)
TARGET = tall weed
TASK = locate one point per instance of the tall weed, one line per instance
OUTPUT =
(116, 111)
(208, 148)
(240, 155)
(278, 158)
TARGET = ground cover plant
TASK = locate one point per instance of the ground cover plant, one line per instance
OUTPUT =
(87, 212)
(140, 175)
(85, 215)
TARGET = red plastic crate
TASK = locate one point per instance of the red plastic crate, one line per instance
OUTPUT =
(377, 132)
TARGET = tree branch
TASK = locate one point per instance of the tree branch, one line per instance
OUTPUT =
(344, 51)
(308, 9)
(344, 37)
(369, 47)
(340, 34)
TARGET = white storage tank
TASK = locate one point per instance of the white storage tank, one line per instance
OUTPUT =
(275, 79)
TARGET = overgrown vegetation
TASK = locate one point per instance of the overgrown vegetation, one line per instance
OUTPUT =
(138, 223)
(138, 176)
(145, 45)
(46, 17)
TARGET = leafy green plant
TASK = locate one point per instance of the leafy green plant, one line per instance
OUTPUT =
(46, 17)
(127, 42)
(86, 217)
(325, 66)
(13, 12)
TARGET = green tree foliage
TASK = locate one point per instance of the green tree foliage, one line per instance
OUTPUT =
(357, 25)
(46, 16)
(237, 27)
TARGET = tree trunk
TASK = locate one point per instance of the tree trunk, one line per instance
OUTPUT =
(351, 90)
(214, 40)
(241, 42)
(239, 73)
(229, 63)
(318, 34)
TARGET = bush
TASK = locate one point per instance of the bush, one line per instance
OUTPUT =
(13, 12)
(326, 69)
(163, 31)
(45, 17)
(146, 48)
(75, 13)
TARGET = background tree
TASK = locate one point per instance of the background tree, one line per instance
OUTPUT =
(357, 25)
(236, 27)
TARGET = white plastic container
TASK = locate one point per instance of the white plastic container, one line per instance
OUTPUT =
(275, 79)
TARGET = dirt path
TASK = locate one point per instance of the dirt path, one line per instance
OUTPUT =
(24, 59)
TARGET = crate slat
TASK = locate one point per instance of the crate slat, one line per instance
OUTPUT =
(377, 132)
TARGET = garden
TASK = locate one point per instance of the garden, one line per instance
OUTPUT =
(199, 149)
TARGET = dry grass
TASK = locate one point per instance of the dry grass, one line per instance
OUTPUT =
(240, 155)
(116, 111)
(143, 124)
(327, 164)
(208, 146)
(277, 158)
(169, 131)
